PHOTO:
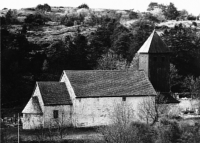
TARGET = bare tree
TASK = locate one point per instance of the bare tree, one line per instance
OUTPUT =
(119, 131)
(150, 109)
(61, 125)
(124, 129)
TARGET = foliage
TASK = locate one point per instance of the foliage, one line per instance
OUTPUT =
(44, 7)
(123, 130)
(184, 45)
(19, 67)
(175, 79)
(121, 41)
(191, 17)
(171, 12)
(190, 134)
(11, 17)
(36, 19)
(83, 6)
(168, 131)
(193, 85)
(152, 6)
(133, 15)
(151, 109)
(183, 14)
(70, 19)
(159, 14)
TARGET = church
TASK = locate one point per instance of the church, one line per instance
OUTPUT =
(87, 98)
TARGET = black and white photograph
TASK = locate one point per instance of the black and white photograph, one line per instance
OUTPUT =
(100, 71)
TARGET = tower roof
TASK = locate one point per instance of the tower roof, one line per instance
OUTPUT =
(154, 44)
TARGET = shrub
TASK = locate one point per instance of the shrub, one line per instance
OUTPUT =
(83, 6)
(168, 131)
(190, 134)
(69, 20)
(36, 19)
(44, 7)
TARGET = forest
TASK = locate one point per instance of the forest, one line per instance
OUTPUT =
(86, 39)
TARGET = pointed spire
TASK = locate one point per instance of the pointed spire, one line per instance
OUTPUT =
(154, 44)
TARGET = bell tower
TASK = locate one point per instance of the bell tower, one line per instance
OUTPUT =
(154, 60)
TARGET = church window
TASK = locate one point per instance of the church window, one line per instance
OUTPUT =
(55, 114)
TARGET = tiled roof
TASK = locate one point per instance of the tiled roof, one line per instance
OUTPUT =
(102, 83)
(33, 106)
(54, 93)
(154, 44)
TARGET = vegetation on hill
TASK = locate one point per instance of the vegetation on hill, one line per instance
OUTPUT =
(38, 43)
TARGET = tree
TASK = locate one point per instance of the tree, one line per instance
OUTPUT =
(43, 8)
(175, 79)
(193, 85)
(152, 6)
(168, 131)
(183, 14)
(133, 15)
(83, 6)
(151, 109)
(171, 12)
(184, 44)
(159, 14)
(11, 17)
(124, 129)
(121, 39)
(36, 19)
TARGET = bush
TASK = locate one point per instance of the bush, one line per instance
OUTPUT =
(69, 20)
(44, 7)
(83, 6)
(36, 19)
(168, 131)
(190, 134)
(136, 132)
(133, 15)
(191, 17)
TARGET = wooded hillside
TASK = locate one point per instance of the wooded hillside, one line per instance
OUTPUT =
(37, 44)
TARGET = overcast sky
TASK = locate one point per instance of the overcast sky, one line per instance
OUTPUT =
(192, 6)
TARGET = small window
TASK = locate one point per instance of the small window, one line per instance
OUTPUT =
(163, 59)
(123, 98)
(155, 59)
(55, 114)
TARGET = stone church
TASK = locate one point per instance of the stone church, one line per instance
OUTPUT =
(86, 98)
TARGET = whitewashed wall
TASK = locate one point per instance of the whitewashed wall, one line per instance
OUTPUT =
(64, 116)
(31, 121)
(99, 111)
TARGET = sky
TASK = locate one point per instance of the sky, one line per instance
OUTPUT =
(192, 6)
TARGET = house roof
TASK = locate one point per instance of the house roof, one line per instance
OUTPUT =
(33, 106)
(154, 44)
(102, 83)
(54, 93)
